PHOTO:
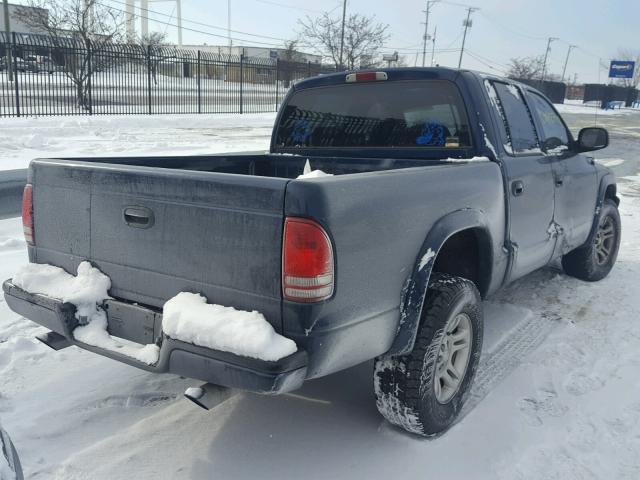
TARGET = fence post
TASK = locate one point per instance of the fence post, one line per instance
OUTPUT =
(277, 81)
(89, 57)
(308, 68)
(149, 77)
(199, 88)
(15, 72)
(241, 81)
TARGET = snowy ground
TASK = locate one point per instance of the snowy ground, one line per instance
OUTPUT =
(23, 139)
(557, 395)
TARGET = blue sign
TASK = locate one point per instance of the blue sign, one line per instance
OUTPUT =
(621, 69)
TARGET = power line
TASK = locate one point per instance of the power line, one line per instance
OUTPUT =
(292, 7)
(486, 62)
(194, 22)
(191, 29)
(511, 30)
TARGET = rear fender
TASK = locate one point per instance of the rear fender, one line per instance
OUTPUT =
(415, 289)
(607, 182)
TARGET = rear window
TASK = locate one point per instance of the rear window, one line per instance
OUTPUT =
(418, 114)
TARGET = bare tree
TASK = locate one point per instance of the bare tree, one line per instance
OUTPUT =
(289, 61)
(80, 30)
(363, 38)
(156, 50)
(632, 56)
(527, 68)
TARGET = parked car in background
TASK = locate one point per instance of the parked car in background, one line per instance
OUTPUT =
(22, 65)
(40, 63)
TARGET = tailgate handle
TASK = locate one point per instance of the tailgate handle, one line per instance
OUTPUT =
(139, 217)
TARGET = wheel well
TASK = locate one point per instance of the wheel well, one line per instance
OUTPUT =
(467, 254)
(610, 193)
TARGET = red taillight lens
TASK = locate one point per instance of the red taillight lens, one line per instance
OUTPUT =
(307, 261)
(27, 214)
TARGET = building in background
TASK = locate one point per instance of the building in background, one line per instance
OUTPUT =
(16, 25)
(255, 52)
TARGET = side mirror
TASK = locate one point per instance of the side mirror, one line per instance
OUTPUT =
(592, 138)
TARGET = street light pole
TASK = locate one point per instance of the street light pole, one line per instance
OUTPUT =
(7, 31)
(546, 55)
(566, 61)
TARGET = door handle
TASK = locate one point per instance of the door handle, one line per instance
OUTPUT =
(559, 181)
(517, 188)
(139, 217)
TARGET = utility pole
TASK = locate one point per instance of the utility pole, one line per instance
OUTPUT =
(433, 44)
(7, 31)
(179, 18)
(144, 20)
(546, 55)
(467, 24)
(425, 37)
(229, 25)
(344, 18)
(566, 61)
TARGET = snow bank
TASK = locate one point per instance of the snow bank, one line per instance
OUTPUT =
(189, 318)
(87, 290)
(590, 109)
(467, 160)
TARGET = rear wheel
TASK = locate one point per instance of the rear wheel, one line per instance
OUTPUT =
(593, 261)
(424, 391)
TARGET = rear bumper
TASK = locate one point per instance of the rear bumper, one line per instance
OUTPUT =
(180, 358)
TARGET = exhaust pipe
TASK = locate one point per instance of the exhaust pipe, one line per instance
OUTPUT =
(54, 340)
(209, 395)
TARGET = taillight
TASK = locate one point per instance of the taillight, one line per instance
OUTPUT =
(27, 214)
(307, 261)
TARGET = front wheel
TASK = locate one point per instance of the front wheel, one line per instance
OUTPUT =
(593, 261)
(423, 392)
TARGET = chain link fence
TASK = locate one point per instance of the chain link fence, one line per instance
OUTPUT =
(61, 76)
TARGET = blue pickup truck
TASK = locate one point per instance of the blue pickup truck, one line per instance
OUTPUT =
(444, 185)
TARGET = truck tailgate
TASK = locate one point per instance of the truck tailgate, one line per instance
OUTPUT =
(157, 232)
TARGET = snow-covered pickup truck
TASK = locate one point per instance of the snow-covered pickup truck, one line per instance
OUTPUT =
(430, 189)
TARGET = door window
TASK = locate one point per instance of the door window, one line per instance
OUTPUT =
(521, 133)
(554, 135)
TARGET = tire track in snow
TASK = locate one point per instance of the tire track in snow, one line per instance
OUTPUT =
(507, 355)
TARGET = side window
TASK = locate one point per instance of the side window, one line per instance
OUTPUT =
(554, 133)
(520, 130)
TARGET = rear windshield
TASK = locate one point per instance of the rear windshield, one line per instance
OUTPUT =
(417, 114)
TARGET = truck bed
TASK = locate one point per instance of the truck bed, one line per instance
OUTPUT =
(215, 225)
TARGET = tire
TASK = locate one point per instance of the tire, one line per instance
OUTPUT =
(405, 386)
(593, 261)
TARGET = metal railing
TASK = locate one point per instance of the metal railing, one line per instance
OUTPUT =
(61, 76)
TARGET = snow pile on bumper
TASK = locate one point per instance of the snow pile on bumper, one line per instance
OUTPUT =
(189, 318)
(86, 291)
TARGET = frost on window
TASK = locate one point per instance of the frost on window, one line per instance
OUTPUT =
(503, 125)
(522, 135)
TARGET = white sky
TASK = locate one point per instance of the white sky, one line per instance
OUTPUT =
(501, 29)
